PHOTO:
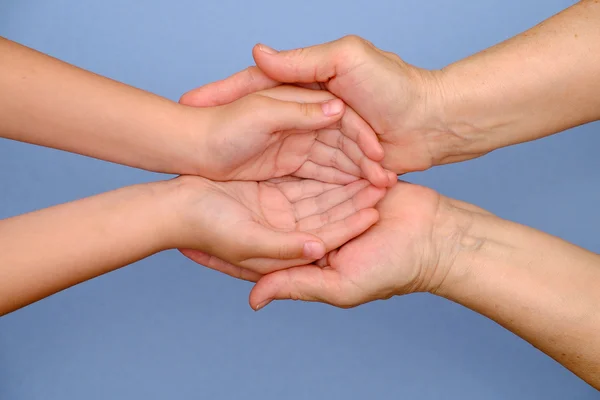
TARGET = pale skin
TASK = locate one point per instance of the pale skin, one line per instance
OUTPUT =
(538, 83)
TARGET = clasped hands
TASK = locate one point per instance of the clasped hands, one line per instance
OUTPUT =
(298, 175)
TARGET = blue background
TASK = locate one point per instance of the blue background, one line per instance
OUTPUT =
(167, 328)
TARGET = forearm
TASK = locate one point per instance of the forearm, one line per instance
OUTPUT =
(536, 285)
(50, 103)
(49, 250)
(540, 82)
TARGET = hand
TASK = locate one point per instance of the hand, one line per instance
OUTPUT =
(259, 227)
(403, 103)
(410, 249)
(290, 131)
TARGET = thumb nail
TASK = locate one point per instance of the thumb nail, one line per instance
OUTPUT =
(266, 49)
(262, 305)
(313, 250)
(332, 107)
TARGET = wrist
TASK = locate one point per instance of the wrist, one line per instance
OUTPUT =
(484, 109)
(173, 201)
(459, 236)
(435, 114)
(187, 142)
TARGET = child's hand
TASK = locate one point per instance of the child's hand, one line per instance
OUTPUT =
(286, 131)
(267, 226)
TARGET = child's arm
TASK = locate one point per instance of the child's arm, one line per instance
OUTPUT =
(256, 227)
(48, 102)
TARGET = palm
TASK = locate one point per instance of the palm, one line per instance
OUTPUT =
(247, 151)
(392, 257)
(266, 155)
(254, 213)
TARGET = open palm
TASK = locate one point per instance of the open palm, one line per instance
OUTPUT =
(259, 227)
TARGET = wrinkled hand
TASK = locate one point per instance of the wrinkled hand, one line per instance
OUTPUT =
(403, 103)
(289, 131)
(259, 227)
(410, 249)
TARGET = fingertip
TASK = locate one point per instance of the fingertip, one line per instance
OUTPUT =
(264, 49)
(371, 215)
(375, 151)
(314, 250)
(261, 305)
(392, 178)
(188, 98)
(259, 296)
(381, 180)
(374, 172)
(333, 107)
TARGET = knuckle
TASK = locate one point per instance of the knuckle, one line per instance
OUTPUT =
(305, 109)
(355, 43)
(296, 54)
(393, 56)
(250, 74)
(283, 252)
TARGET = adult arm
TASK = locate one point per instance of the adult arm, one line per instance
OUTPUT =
(536, 285)
(540, 82)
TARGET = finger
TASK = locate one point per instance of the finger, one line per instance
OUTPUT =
(217, 264)
(310, 170)
(287, 92)
(335, 234)
(328, 156)
(392, 177)
(326, 261)
(360, 132)
(365, 198)
(269, 265)
(301, 189)
(353, 125)
(307, 283)
(287, 115)
(310, 64)
(261, 242)
(225, 91)
(326, 201)
(371, 170)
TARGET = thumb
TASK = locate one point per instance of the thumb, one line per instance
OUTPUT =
(287, 115)
(228, 90)
(310, 64)
(307, 283)
(266, 243)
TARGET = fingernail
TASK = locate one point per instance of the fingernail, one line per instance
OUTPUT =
(332, 107)
(262, 305)
(266, 49)
(313, 250)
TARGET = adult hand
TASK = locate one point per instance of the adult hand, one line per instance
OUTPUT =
(410, 249)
